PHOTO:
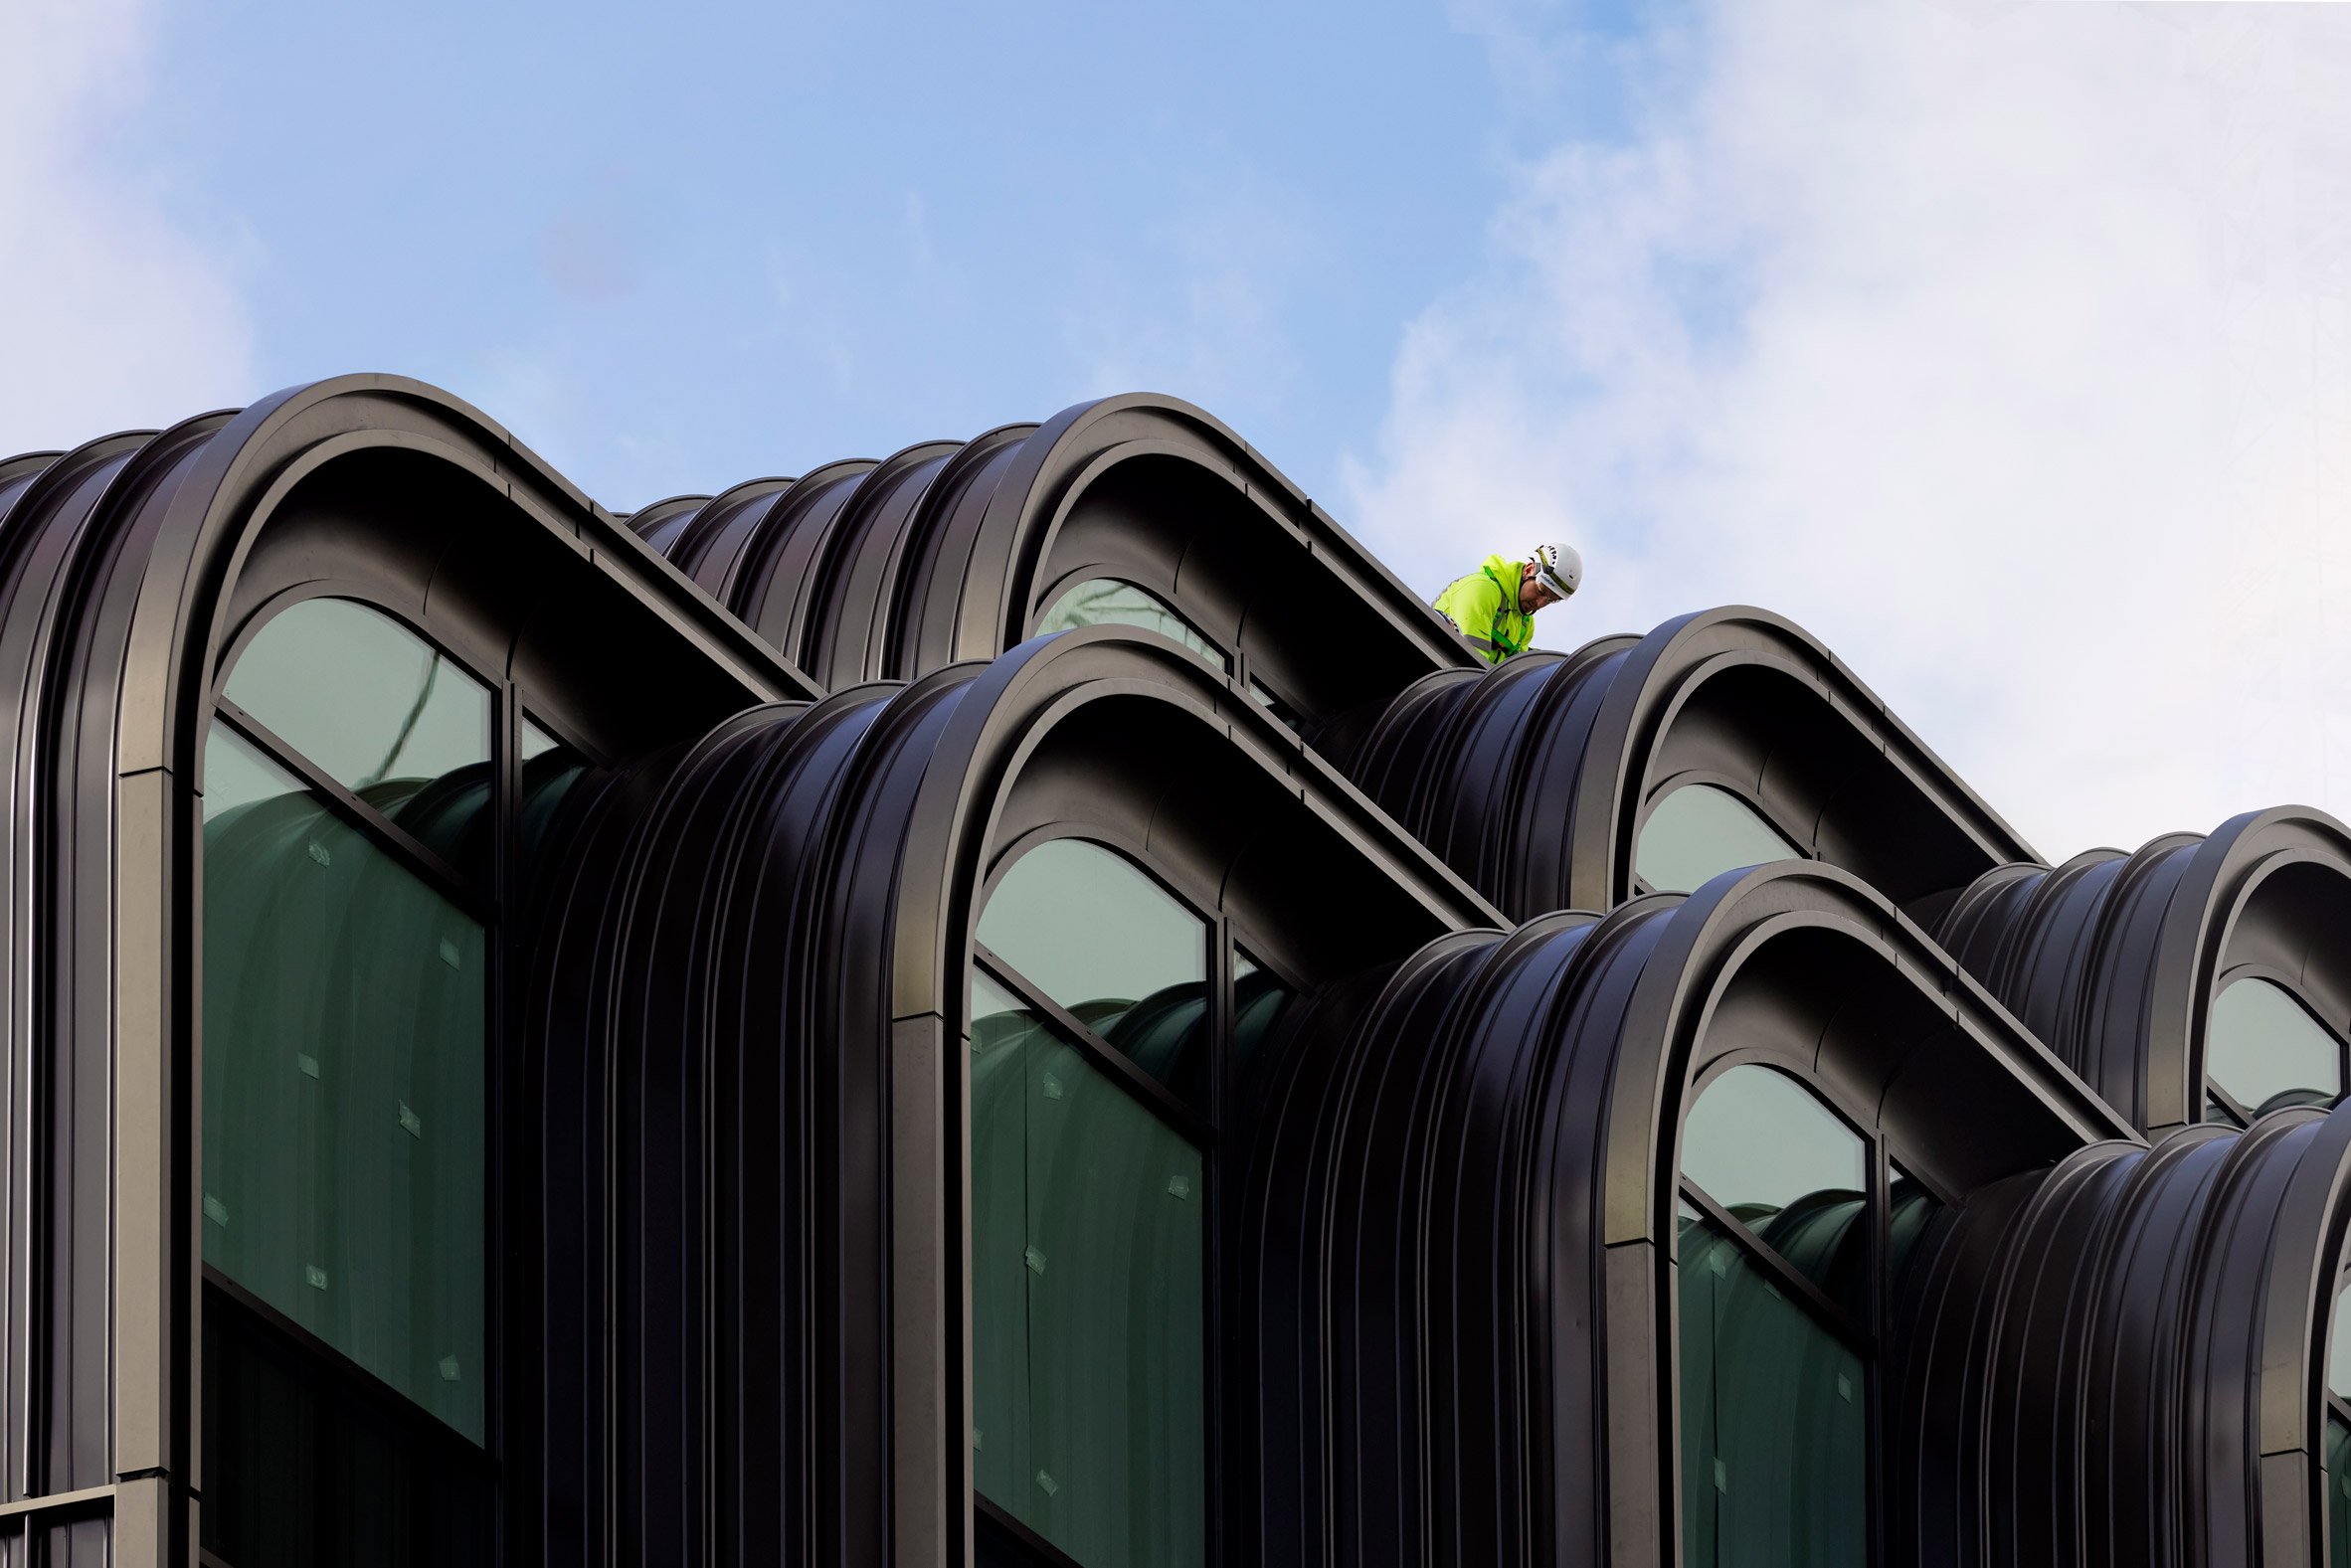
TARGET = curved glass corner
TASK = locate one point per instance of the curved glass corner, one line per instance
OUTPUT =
(1106, 600)
(1698, 831)
(2262, 1046)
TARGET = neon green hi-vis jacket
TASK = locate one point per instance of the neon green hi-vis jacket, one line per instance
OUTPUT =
(1484, 607)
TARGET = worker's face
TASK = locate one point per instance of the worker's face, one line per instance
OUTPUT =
(1534, 592)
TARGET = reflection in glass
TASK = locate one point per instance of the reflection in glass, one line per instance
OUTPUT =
(1262, 695)
(344, 1086)
(1910, 1208)
(1775, 1428)
(2338, 1498)
(1259, 999)
(302, 1470)
(1106, 600)
(550, 768)
(1089, 1384)
(371, 703)
(1762, 1146)
(1697, 833)
(1090, 930)
(2260, 1043)
(2338, 1348)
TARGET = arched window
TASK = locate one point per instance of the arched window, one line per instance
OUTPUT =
(1106, 600)
(1697, 832)
(1778, 1293)
(2263, 1051)
(1103, 1009)
(348, 946)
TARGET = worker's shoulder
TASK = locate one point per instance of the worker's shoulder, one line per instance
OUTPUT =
(1472, 586)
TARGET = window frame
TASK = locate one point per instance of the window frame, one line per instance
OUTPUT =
(1240, 669)
(2239, 1114)
(1204, 1128)
(490, 902)
(1867, 1338)
(1741, 792)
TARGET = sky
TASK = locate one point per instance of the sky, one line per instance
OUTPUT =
(2005, 344)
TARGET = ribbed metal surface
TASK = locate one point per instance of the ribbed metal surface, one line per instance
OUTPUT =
(2116, 1361)
(1532, 780)
(733, 1120)
(1461, 1202)
(2113, 959)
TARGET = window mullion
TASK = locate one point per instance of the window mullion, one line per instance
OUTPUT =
(1780, 1271)
(1100, 1053)
(386, 834)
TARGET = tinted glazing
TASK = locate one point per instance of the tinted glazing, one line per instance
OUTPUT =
(1106, 600)
(1775, 1428)
(1092, 932)
(1697, 833)
(2260, 1043)
(1089, 1380)
(344, 1086)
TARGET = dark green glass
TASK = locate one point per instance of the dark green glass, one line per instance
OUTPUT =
(1090, 930)
(2338, 1346)
(377, 708)
(1089, 1379)
(344, 1087)
(1761, 1144)
(1259, 999)
(1910, 1209)
(2263, 1045)
(1774, 1420)
(1697, 833)
(550, 768)
(2338, 1493)
(304, 1467)
(1106, 600)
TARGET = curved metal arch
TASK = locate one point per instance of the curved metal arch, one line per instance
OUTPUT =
(122, 565)
(782, 913)
(951, 564)
(1534, 778)
(2114, 960)
(1462, 1199)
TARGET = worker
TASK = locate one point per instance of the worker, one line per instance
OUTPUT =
(1494, 607)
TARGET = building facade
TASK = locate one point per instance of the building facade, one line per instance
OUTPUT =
(1028, 1003)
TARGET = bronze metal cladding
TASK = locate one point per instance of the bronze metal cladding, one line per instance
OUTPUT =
(731, 1043)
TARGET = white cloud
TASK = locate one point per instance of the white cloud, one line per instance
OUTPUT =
(115, 316)
(2008, 347)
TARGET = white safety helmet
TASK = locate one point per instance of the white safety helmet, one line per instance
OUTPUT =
(1559, 567)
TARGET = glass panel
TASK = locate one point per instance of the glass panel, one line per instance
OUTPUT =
(1105, 600)
(1911, 1209)
(377, 708)
(1773, 1422)
(1760, 1144)
(2261, 1043)
(2338, 1346)
(344, 1083)
(1259, 999)
(2338, 1493)
(1263, 696)
(1697, 833)
(550, 768)
(1089, 1382)
(1091, 931)
(300, 1471)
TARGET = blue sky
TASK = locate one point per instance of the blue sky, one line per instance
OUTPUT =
(678, 248)
(1998, 342)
